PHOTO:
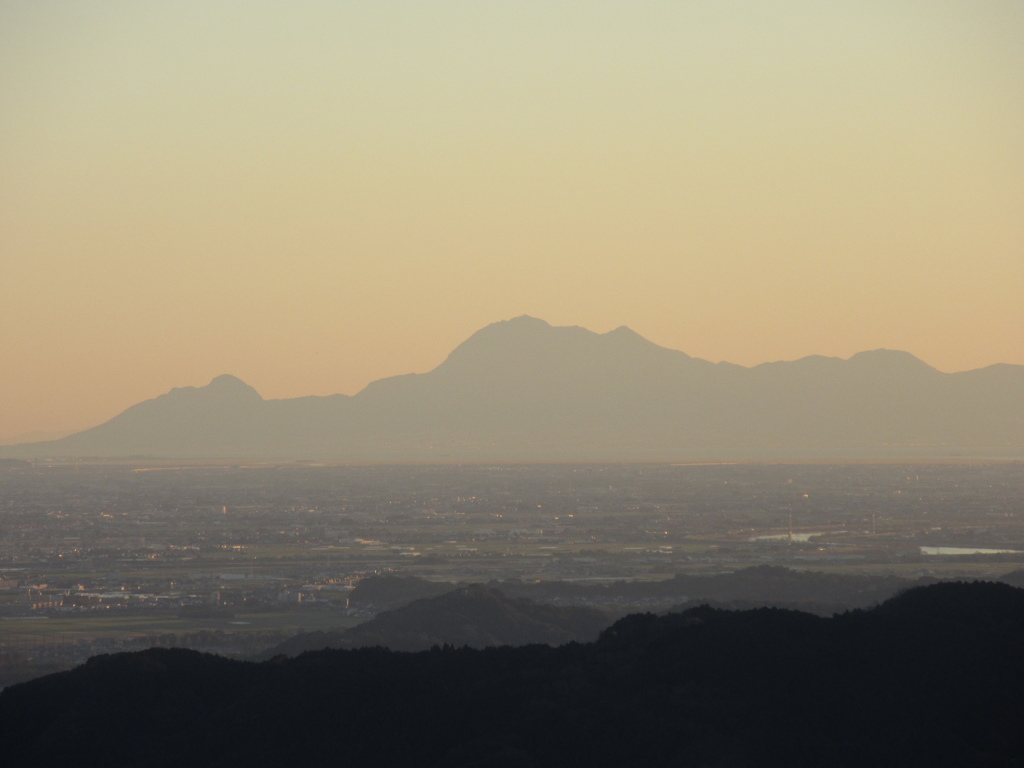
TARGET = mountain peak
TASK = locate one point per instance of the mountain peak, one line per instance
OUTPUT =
(524, 321)
(518, 333)
(223, 387)
(889, 359)
(626, 335)
(522, 327)
(226, 380)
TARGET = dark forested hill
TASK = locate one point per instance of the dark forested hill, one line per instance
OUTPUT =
(475, 615)
(930, 678)
(417, 614)
(758, 586)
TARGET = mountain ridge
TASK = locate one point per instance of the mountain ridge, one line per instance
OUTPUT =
(473, 615)
(524, 390)
(931, 677)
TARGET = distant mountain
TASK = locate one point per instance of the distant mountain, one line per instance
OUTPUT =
(930, 678)
(524, 390)
(475, 615)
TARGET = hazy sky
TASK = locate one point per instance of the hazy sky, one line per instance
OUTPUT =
(313, 195)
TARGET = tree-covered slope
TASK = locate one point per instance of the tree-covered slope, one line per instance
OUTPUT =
(930, 678)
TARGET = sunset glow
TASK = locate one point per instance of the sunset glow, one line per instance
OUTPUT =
(313, 196)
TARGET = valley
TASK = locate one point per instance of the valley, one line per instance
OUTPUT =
(234, 558)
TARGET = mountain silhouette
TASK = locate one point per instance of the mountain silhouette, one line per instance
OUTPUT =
(756, 586)
(475, 615)
(522, 389)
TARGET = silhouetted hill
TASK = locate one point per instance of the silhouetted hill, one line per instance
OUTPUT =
(524, 390)
(955, 601)
(1014, 578)
(223, 414)
(418, 614)
(931, 678)
(392, 590)
(763, 585)
(475, 616)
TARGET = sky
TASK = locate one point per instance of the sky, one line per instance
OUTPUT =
(315, 195)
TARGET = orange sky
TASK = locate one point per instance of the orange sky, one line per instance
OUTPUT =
(315, 195)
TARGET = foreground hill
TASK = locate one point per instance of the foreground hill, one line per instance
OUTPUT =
(758, 586)
(524, 390)
(930, 678)
(418, 614)
(475, 616)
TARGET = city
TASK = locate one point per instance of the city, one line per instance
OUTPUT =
(105, 556)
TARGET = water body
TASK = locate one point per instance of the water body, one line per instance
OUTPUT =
(967, 551)
(785, 537)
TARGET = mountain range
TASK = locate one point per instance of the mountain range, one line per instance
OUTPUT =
(424, 613)
(523, 390)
